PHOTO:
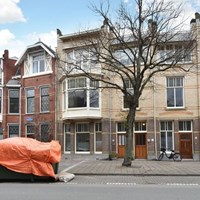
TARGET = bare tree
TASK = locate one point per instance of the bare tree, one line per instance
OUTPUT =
(129, 48)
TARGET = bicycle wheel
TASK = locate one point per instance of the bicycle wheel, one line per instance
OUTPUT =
(161, 156)
(177, 157)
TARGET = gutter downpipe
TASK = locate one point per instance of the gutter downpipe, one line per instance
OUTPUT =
(154, 119)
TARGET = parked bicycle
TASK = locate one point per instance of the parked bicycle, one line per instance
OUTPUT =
(170, 155)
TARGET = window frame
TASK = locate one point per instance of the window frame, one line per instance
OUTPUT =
(98, 130)
(167, 131)
(13, 125)
(84, 129)
(41, 99)
(46, 138)
(175, 88)
(30, 97)
(9, 99)
(67, 131)
(184, 123)
(80, 92)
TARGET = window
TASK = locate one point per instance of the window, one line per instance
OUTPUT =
(67, 137)
(166, 135)
(124, 57)
(13, 101)
(94, 94)
(140, 126)
(82, 137)
(1, 133)
(30, 100)
(30, 130)
(178, 53)
(13, 130)
(45, 132)
(185, 126)
(98, 137)
(38, 63)
(126, 99)
(83, 93)
(44, 95)
(77, 93)
(121, 127)
(64, 95)
(84, 59)
(175, 92)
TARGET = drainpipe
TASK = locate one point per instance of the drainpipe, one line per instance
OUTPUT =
(154, 118)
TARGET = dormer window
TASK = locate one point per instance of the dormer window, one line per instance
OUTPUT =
(38, 64)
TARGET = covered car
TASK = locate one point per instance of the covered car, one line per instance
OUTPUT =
(29, 156)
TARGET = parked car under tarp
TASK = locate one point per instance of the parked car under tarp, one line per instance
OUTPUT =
(27, 157)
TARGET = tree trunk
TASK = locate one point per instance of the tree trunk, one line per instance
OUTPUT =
(129, 138)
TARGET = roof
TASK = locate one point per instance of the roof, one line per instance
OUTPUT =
(37, 44)
(13, 83)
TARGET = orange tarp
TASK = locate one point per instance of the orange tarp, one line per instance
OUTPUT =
(29, 156)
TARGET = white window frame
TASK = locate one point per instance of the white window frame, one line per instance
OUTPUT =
(80, 132)
(42, 87)
(27, 100)
(67, 130)
(174, 87)
(185, 125)
(166, 134)
(140, 124)
(97, 129)
(12, 113)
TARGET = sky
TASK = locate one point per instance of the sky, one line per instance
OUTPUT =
(25, 22)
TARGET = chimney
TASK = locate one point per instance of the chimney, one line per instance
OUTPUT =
(6, 54)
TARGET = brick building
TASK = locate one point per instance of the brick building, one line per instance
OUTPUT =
(28, 106)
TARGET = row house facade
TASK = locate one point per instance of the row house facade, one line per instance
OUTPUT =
(28, 94)
(92, 120)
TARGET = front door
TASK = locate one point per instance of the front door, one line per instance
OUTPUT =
(121, 145)
(140, 146)
(186, 145)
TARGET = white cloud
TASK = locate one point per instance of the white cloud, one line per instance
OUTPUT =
(16, 47)
(49, 38)
(10, 11)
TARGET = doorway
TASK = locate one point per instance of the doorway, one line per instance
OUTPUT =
(186, 145)
(140, 145)
(121, 145)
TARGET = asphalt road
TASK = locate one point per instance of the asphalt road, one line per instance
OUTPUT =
(66, 191)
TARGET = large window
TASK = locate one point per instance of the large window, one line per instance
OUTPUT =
(166, 135)
(38, 63)
(82, 137)
(30, 100)
(175, 92)
(44, 102)
(13, 101)
(82, 93)
(98, 137)
(84, 59)
(67, 138)
(13, 130)
(178, 53)
(45, 132)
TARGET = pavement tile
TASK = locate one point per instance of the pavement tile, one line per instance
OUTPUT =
(139, 167)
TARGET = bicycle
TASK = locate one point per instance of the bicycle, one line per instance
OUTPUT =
(170, 155)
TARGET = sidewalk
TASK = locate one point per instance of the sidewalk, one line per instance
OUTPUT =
(85, 166)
